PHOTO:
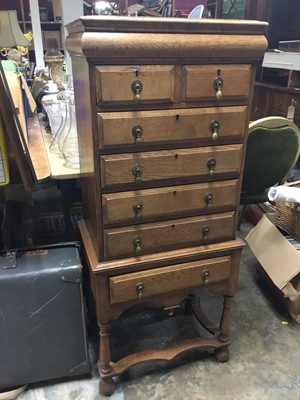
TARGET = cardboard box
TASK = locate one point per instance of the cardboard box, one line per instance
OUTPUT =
(279, 260)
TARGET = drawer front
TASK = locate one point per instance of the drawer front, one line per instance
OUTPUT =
(140, 285)
(182, 125)
(135, 85)
(177, 165)
(163, 236)
(200, 82)
(167, 202)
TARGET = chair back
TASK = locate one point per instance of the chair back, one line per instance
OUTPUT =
(273, 147)
(197, 12)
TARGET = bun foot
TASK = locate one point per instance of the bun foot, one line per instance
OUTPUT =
(222, 355)
(107, 386)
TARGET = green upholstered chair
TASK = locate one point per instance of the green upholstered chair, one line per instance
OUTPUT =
(273, 147)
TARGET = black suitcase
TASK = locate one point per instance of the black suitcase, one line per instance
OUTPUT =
(42, 316)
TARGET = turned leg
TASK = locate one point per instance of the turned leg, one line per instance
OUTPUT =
(225, 320)
(107, 385)
(223, 353)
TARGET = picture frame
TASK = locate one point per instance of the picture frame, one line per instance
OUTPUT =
(53, 35)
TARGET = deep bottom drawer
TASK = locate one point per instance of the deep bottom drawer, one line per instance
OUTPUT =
(139, 285)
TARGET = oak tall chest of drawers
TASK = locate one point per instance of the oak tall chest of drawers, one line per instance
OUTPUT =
(162, 112)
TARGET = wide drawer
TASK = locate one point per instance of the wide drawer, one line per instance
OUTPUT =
(135, 84)
(168, 202)
(168, 235)
(181, 125)
(140, 285)
(201, 82)
(179, 165)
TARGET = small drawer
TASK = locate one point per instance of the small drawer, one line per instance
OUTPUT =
(142, 205)
(216, 82)
(183, 125)
(178, 166)
(144, 284)
(134, 85)
(168, 235)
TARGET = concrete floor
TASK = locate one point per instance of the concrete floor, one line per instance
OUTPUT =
(264, 355)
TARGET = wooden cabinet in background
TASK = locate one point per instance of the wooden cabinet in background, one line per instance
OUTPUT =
(277, 89)
(269, 100)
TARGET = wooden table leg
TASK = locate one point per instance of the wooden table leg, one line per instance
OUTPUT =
(223, 353)
(107, 384)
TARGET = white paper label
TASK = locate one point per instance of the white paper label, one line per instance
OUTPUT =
(291, 112)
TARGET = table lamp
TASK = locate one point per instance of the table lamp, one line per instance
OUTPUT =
(10, 33)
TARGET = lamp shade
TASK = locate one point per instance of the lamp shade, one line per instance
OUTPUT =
(10, 32)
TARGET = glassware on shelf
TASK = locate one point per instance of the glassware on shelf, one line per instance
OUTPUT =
(54, 145)
(54, 113)
(67, 122)
(70, 149)
(63, 97)
(67, 82)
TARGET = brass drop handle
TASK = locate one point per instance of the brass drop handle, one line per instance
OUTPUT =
(137, 208)
(205, 276)
(211, 164)
(137, 172)
(137, 241)
(208, 198)
(205, 232)
(140, 289)
(137, 132)
(137, 87)
(214, 126)
(218, 85)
